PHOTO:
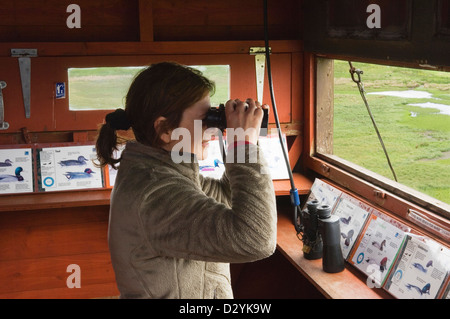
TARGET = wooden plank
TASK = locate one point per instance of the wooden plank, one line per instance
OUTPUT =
(295, 151)
(37, 246)
(31, 219)
(309, 105)
(73, 49)
(62, 34)
(19, 243)
(347, 284)
(54, 12)
(51, 272)
(114, 20)
(146, 20)
(97, 291)
(325, 105)
(48, 200)
(297, 87)
(303, 184)
(231, 12)
(225, 20)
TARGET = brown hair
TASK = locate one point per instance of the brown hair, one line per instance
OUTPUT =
(163, 89)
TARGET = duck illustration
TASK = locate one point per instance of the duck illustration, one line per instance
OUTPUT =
(383, 264)
(346, 221)
(7, 162)
(12, 178)
(209, 167)
(75, 175)
(80, 161)
(373, 261)
(348, 237)
(420, 267)
(424, 290)
(378, 245)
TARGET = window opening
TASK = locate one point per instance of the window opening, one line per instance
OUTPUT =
(105, 88)
(412, 111)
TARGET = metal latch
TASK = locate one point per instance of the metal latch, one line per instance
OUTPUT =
(3, 125)
(260, 65)
(24, 56)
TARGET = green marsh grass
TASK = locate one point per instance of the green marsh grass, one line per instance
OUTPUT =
(417, 139)
(106, 87)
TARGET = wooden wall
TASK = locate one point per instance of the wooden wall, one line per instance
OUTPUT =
(158, 20)
(50, 115)
(42, 237)
(37, 246)
(30, 21)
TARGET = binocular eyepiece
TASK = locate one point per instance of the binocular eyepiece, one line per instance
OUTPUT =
(321, 236)
(216, 118)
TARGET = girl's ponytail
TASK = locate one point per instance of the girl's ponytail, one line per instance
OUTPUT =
(107, 140)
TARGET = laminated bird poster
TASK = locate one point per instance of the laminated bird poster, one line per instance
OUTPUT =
(378, 246)
(68, 168)
(324, 193)
(273, 153)
(110, 172)
(421, 271)
(212, 166)
(352, 214)
(16, 171)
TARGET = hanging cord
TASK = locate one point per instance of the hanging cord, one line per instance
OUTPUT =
(295, 200)
(358, 81)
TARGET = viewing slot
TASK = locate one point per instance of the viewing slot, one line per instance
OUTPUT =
(411, 110)
(104, 88)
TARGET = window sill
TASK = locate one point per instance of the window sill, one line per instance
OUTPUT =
(348, 284)
(63, 199)
(303, 184)
(386, 194)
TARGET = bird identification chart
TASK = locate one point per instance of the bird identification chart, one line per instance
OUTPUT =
(271, 148)
(324, 193)
(16, 171)
(352, 214)
(378, 246)
(68, 168)
(421, 270)
(212, 166)
(110, 172)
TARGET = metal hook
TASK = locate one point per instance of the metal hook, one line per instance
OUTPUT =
(353, 71)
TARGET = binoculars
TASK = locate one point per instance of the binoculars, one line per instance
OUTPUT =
(321, 236)
(216, 118)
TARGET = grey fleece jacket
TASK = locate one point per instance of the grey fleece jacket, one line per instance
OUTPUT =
(173, 233)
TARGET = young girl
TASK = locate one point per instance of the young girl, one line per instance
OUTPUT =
(172, 232)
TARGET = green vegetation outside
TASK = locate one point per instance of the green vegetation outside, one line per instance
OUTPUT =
(106, 87)
(417, 139)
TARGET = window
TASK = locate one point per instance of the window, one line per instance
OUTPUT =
(411, 108)
(106, 87)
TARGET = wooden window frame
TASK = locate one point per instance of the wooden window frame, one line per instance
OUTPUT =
(386, 194)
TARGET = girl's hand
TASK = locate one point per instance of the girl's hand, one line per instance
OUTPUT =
(243, 120)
